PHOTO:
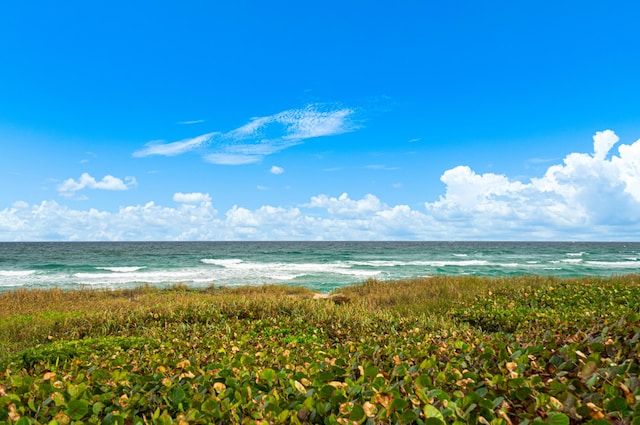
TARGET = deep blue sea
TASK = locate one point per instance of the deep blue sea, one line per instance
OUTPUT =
(322, 266)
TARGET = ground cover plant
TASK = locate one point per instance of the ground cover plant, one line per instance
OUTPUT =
(428, 351)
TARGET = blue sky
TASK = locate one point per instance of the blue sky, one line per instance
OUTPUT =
(319, 120)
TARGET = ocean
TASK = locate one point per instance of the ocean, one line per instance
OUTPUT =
(322, 266)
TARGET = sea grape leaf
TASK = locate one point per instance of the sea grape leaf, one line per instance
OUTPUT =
(268, 375)
(408, 417)
(371, 371)
(77, 409)
(399, 404)
(616, 404)
(357, 413)
(177, 395)
(431, 411)
(557, 418)
(111, 419)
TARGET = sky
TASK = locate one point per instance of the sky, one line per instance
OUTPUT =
(319, 120)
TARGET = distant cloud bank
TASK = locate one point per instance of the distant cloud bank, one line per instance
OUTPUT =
(587, 197)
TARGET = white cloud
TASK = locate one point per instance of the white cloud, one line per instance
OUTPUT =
(192, 198)
(586, 197)
(69, 187)
(276, 170)
(361, 219)
(603, 141)
(310, 122)
(261, 136)
(174, 148)
(343, 205)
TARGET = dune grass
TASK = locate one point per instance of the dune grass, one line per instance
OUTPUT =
(431, 350)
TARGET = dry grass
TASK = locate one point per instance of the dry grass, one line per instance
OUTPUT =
(31, 317)
(433, 295)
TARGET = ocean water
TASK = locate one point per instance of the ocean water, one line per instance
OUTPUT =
(321, 266)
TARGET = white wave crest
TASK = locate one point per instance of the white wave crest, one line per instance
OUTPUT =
(120, 269)
(16, 273)
(615, 264)
(224, 262)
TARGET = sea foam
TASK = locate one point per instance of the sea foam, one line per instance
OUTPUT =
(16, 273)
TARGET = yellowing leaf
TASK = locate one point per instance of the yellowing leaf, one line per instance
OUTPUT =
(183, 364)
(219, 387)
(370, 409)
(299, 387)
(557, 404)
(384, 399)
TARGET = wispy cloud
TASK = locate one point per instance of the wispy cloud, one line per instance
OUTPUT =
(417, 139)
(190, 122)
(70, 187)
(231, 159)
(174, 148)
(380, 167)
(261, 136)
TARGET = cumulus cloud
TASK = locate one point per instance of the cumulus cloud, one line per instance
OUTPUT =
(603, 141)
(261, 136)
(589, 196)
(69, 187)
(276, 170)
(343, 205)
(192, 198)
(196, 219)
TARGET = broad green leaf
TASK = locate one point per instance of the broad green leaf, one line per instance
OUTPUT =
(616, 404)
(557, 418)
(431, 411)
(268, 375)
(408, 417)
(177, 395)
(357, 413)
(111, 419)
(77, 409)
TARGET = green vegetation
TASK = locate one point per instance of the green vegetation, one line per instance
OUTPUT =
(427, 351)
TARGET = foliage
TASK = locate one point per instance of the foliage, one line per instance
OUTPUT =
(428, 351)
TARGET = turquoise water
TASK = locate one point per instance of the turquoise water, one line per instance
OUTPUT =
(321, 266)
